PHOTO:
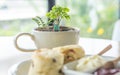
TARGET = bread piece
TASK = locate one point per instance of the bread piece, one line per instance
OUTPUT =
(46, 62)
(71, 52)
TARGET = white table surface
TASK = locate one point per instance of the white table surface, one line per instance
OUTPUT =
(9, 55)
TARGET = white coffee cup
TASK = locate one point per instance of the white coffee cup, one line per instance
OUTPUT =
(47, 39)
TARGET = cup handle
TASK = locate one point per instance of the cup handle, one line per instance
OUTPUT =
(23, 49)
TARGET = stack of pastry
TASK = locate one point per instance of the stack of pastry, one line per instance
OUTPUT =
(50, 62)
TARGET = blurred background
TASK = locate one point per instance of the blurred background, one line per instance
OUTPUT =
(94, 18)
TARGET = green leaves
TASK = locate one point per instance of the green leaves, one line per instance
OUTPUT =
(39, 21)
(58, 13)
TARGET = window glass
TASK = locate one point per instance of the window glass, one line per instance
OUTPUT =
(95, 18)
(15, 15)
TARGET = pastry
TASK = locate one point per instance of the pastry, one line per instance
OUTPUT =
(50, 61)
(46, 62)
(71, 52)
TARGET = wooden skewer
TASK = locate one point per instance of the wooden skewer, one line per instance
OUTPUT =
(105, 50)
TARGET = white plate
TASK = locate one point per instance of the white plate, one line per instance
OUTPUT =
(23, 67)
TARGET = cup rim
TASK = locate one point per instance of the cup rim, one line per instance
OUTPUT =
(75, 30)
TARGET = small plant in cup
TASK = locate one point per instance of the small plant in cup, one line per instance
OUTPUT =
(46, 36)
(55, 16)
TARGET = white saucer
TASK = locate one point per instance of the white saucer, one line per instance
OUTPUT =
(20, 68)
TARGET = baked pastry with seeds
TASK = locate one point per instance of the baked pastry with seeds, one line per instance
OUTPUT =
(47, 62)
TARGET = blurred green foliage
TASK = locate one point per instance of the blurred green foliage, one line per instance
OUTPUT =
(79, 12)
(13, 27)
(80, 16)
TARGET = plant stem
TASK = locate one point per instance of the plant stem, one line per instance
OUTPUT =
(56, 26)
